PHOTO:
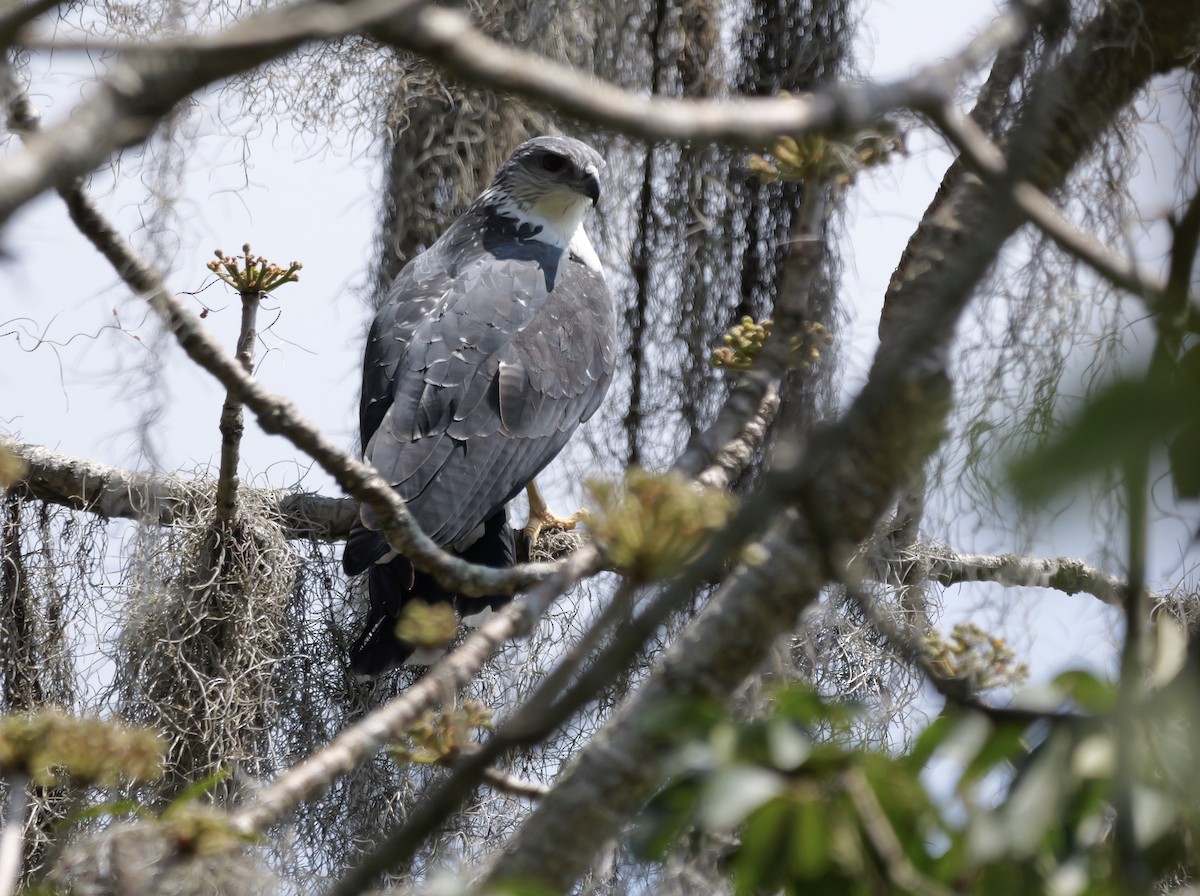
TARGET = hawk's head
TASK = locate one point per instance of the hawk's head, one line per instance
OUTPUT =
(549, 181)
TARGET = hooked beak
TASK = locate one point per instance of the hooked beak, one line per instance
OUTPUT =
(591, 186)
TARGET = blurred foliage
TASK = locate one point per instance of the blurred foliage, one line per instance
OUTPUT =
(1130, 418)
(826, 160)
(442, 734)
(649, 525)
(50, 747)
(12, 468)
(423, 624)
(987, 803)
(972, 655)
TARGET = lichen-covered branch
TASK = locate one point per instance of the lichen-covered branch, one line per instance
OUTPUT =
(1065, 574)
(115, 493)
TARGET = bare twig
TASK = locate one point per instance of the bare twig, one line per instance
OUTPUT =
(513, 785)
(12, 838)
(382, 726)
(232, 426)
(988, 161)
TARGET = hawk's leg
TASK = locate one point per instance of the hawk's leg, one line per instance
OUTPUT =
(541, 517)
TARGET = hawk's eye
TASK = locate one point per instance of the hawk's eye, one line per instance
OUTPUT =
(552, 161)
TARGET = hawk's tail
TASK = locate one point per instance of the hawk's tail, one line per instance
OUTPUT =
(393, 584)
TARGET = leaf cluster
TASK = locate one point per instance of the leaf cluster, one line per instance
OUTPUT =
(743, 343)
(991, 805)
(973, 656)
(649, 525)
(439, 735)
(424, 624)
(822, 159)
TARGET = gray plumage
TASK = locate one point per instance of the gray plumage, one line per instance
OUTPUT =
(490, 350)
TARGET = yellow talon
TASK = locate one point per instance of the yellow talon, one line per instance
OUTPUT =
(541, 517)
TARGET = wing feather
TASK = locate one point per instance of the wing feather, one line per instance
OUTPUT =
(487, 373)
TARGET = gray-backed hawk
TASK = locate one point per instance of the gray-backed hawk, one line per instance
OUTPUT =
(491, 348)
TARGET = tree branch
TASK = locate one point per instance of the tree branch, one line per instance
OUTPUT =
(232, 426)
(127, 105)
(1065, 574)
(988, 161)
(115, 493)
(513, 785)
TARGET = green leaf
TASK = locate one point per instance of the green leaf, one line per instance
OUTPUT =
(810, 848)
(787, 745)
(764, 848)
(665, 817)
(1184, 456)
(200, 788)
(733, 793)
(1088, 691)
(1037, 796)
(931, 739)
(1006, 744)
(1125, 420)
(803, 705)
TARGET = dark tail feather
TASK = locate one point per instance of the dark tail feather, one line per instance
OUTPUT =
(363, 547)
(377, 649)
(496, 547)
(391, 585)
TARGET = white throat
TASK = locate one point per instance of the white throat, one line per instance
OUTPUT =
(560, 217)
